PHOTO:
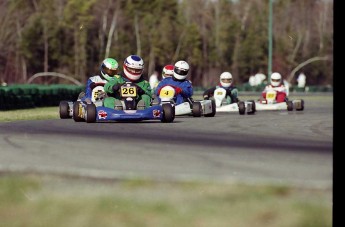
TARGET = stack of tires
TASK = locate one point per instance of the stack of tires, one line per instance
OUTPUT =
(24, 96)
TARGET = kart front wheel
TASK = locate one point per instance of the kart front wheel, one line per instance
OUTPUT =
(76, 117)
(64, 110)
(241, 108)
(168, 113)
(213, 113)
(299, 105)
(253, 105)
(90, 115)
(289, 105)
(196, 109)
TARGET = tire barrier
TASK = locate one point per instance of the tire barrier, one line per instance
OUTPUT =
(24, 96)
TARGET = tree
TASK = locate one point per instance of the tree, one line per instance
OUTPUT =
(73, 36)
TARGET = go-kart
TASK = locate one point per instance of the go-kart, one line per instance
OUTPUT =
(127, 110)
(241, 107)
(206, 108)
(66, 107)
(270, 103)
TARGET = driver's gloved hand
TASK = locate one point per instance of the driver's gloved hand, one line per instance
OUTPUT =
(92, 85)
(140, 90)
(178, 90)
(116, 87)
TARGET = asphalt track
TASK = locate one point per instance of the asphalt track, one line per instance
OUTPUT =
(280, 147)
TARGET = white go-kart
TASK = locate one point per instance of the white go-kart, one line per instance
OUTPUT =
(204, 108)
(240, 107)
(66, 107)
(270, 103)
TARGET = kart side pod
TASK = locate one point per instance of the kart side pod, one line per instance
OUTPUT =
(190, 107)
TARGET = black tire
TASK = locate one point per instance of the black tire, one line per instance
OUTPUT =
(91, 111)
(253, 107)
(168, 113)
(213, 113)
(196, 109)
(301, 108)
(289, 105)
(64, 110)
(241, 108)
(76, 112)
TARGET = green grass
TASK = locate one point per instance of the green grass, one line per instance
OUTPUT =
(37, 200)
(30, 114)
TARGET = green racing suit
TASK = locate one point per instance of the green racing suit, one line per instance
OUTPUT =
(112, 90)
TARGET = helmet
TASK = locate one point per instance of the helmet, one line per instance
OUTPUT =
(153, 80)
(133, 67)
(276, 79)
(225, 79)
(109, 68)
(168, 71)
(181, 70)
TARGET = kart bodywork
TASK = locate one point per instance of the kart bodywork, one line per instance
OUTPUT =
(128, 110)
(270, 103)
(240, 107)
(191, 107)
(92, 113)
(66, 107)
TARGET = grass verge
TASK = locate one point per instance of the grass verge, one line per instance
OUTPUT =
(30, 114)
(38, 200)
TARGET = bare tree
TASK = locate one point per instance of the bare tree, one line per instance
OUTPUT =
(137, 33)
(112, 29)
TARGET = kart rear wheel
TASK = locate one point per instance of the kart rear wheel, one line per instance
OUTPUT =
(241, 108)
(289, 105)
(196, 109)
(213, 102)
(168, 113)
(90, 115)
(253, 109)
(254, 105)
(300, 106)
(76, 112)
(64, 110)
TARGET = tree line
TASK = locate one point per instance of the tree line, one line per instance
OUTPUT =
(72, 37)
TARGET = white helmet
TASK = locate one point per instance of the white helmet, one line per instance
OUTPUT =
(181, 70)
(133, 67)
(168, 71)
(225, 79)
(276, 79)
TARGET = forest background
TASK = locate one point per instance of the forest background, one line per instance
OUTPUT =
(72, 37)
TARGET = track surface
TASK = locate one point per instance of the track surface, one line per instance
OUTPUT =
(269, 147)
